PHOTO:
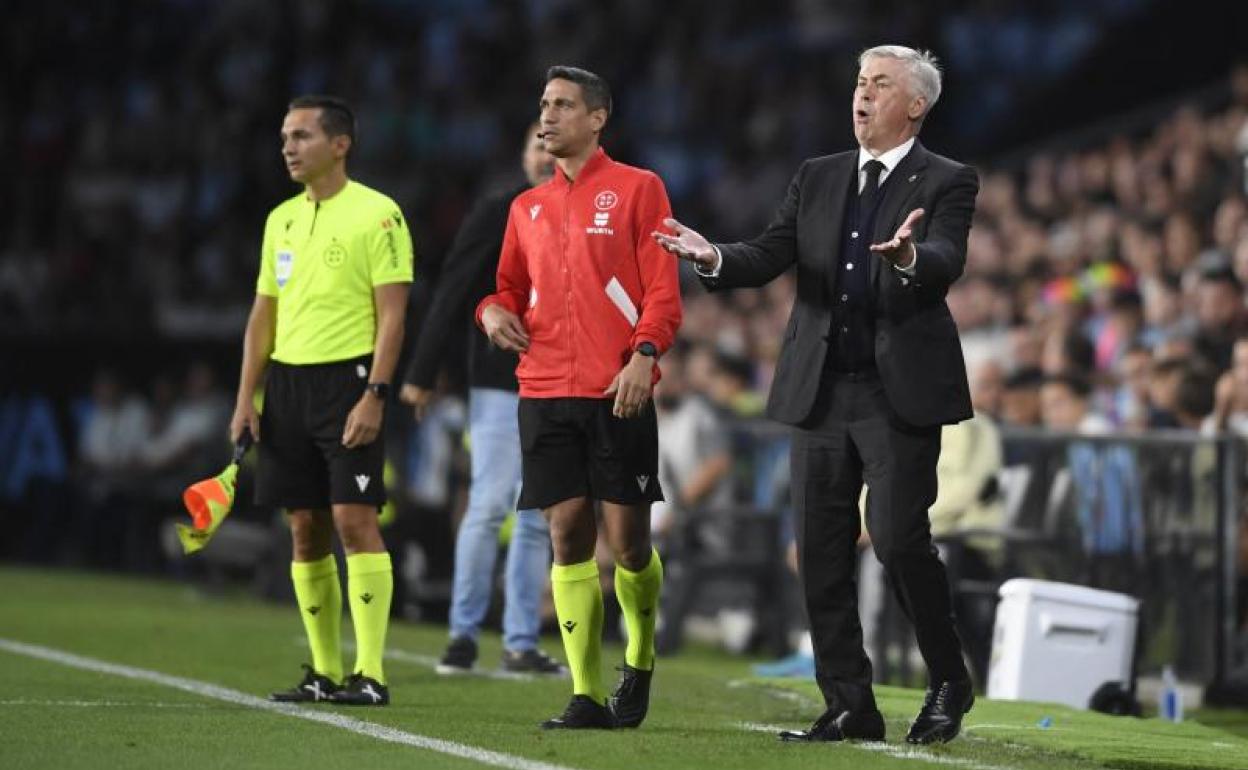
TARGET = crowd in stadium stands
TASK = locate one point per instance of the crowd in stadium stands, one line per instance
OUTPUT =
(146, 175)
(1104, 290)
(135, 454)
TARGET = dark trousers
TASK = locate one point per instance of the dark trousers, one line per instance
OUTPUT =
(853, 437)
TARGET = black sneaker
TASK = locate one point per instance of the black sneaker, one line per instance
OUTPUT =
(582, 713)
(313, 689)
(360, 690)
(459, 658)
(531, 662)
(631, 699)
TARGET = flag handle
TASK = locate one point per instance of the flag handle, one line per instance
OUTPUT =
(244, 443)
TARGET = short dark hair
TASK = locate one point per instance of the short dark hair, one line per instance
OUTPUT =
(1195, 394)
(1075, 383)
(1165, 366)
(736, 366)
(337, 117)
(1125, 300)
(1222, 274)
(1079, 351)
(1024, 379)
(594, 90)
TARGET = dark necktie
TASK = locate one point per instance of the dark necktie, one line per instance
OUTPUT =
(871, 190)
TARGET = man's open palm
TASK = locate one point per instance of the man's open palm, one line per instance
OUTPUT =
(687, 244)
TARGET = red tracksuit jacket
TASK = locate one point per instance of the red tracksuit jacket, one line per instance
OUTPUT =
(580, 268)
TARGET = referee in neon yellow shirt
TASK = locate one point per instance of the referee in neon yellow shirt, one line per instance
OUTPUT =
(327, 325)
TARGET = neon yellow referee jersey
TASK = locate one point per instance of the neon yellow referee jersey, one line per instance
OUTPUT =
(321, 260)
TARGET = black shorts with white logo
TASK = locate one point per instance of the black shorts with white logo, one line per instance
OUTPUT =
(575, 447)
(303, 463)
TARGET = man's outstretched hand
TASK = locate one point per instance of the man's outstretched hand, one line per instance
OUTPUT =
(687, 244)
(900, 250)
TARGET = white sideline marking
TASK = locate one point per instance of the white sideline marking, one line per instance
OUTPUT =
(104, 703)
(913, 752)
(207, 690)
(891, 749)
(761, 727)
(776, 692)
(430, 662)
(1050, 729)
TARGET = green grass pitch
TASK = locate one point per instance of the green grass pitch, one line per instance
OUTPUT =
(706, 712)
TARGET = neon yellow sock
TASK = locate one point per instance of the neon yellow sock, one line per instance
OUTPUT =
(578, 603)
(638, 594)
(320, 605)
(370, 582)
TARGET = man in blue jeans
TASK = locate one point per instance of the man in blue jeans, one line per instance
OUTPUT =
(467, 276)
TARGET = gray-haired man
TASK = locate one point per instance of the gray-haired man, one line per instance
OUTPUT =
(870, 370)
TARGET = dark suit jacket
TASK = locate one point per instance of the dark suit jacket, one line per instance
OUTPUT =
(467, 277)
(917, 350)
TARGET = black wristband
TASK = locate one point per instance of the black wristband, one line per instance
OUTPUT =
(648, 349)
(380, 389)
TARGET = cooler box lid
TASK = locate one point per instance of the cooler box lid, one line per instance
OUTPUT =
(1065, 593)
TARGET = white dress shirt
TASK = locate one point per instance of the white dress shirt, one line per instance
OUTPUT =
(890, 159)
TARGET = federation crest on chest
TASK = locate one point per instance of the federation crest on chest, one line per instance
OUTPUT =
(604, 201)
(335, 254)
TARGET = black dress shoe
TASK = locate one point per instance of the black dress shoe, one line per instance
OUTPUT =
(940, 719)
(842, 726)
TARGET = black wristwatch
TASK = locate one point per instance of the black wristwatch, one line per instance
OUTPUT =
(648, 349)
(379, 389)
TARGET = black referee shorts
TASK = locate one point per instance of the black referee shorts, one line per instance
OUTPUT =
(575, 447)
(302, 462)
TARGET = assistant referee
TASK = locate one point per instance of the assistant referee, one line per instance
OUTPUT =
(327, 325)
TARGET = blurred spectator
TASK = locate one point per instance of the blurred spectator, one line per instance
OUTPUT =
(1020, 398)
(1068, 351)
(987, 383)
(730, 386)
(1107, 492)
(967, 494)
(1219, 316)
(967, 510)
(1122, 327)
(1066, 408)
(1163, 391)
(181, 449)
(1194, 397)
(1164, 317)
(1231, 395)
(1132, 408)
(114, 435)
(694, 449)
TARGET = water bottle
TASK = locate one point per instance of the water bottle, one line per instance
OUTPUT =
(1170, 699)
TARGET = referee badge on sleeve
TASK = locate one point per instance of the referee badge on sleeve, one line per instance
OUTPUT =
(282, 267)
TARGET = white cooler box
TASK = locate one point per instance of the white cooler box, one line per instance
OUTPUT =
(1059, 643)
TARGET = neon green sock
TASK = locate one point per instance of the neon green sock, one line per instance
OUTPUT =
(320, 605)
(370, 581)
(578, 603)
(638, 594)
